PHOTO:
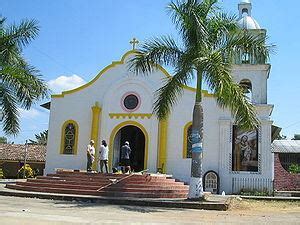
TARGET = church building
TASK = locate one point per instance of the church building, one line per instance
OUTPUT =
(116, 106)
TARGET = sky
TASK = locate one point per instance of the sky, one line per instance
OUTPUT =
(78, 38)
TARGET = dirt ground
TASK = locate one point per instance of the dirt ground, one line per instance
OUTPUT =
(14, 210)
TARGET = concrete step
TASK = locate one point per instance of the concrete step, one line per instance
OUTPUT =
(295, 193)
(95, 179)
(113, 187)
(153, 194)
(110, 176)
(175, 185)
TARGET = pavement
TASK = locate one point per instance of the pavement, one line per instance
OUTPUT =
(30, 211)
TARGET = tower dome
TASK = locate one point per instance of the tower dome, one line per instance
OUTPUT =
(245, 19)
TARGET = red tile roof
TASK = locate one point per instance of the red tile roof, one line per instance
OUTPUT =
(16, 152)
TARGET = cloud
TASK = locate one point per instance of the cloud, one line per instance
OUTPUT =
(29, 114)
(64, 83)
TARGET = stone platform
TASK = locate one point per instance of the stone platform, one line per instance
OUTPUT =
(109, 185)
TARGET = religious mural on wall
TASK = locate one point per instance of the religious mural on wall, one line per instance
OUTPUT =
(244, 150)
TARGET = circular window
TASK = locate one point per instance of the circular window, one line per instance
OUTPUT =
(131, 101)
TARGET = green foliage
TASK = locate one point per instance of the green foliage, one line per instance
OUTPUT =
(254, 192)
(29, 173)
(3, 140)
(41, 138)
(294, 168)
(296, 137)
(281, 137)
(21, 84)
(210, 44)
(1, 174)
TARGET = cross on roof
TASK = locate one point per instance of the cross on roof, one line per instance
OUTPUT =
(134, 42)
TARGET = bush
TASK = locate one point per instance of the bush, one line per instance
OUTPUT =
(28, 172)
(294, 168)
(254, 192)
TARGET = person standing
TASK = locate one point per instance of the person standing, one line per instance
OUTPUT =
(125, 156)
(90, 155)
(103, 156)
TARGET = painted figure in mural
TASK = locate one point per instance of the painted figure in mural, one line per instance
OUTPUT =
(245, 148)
(103, 156)
(90, 155)
(125, 156)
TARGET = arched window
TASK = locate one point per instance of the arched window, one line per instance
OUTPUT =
(69, 138)
(211, 182)
(187, 142)
(247, 87)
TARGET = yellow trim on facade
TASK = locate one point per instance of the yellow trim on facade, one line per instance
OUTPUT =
(63, 137)
(115, 63)
(96, 111)
(162, 147)
(185, 144)
(112, 138)
(130, 115)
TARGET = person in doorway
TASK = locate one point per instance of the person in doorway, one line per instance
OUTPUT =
(90, 155)
(125, 156)
(103, 156)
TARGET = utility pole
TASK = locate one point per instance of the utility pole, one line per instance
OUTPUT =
(25, 157)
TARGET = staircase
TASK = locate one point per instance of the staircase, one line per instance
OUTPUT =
(106, 185)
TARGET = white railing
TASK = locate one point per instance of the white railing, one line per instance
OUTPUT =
(251, 184)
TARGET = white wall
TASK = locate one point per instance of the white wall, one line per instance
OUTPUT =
(108, 90)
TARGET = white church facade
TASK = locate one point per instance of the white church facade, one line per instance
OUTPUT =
(116, 106)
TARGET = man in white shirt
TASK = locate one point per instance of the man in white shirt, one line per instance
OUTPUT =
(103, 156)
(90, 155)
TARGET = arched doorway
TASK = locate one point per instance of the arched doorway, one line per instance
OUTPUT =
(137, 137)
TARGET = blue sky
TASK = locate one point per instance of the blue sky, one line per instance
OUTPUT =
(78, 38)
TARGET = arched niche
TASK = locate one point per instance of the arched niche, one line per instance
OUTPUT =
(246, 85)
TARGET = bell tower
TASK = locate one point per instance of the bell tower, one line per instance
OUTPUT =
(251, 71)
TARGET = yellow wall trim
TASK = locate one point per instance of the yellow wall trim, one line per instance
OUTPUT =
(96, 111)
(130, 115)
(115, 131)
(115, 63)
(162, 147)
(185, 144)
(62, 141)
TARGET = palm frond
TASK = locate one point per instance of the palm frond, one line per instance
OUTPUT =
(243, 42)
(168, 95)
(189, 20)
(229, 94)
(22, 34)
(158, 51)
(9, 120)
(26, 83)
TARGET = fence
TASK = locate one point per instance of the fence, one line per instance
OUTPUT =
(251, 184)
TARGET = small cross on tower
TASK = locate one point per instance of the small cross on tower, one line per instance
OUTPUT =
(134, 42)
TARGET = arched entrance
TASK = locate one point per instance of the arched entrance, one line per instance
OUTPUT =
(137, 137)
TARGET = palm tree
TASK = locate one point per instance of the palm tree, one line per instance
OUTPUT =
(40, 139)
(210, 44)
(20, 83)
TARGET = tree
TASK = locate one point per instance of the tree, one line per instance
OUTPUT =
(41, 138)
(3, 140)
(296, 137)
(20, 83)
(210, 44)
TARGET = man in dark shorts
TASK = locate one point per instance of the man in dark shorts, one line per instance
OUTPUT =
(125, 157)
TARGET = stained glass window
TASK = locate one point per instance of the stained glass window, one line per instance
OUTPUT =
(69, 138)
(131, 102)
(189, 142)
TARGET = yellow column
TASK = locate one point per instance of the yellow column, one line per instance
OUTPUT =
(96, 111)
(162, 147)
